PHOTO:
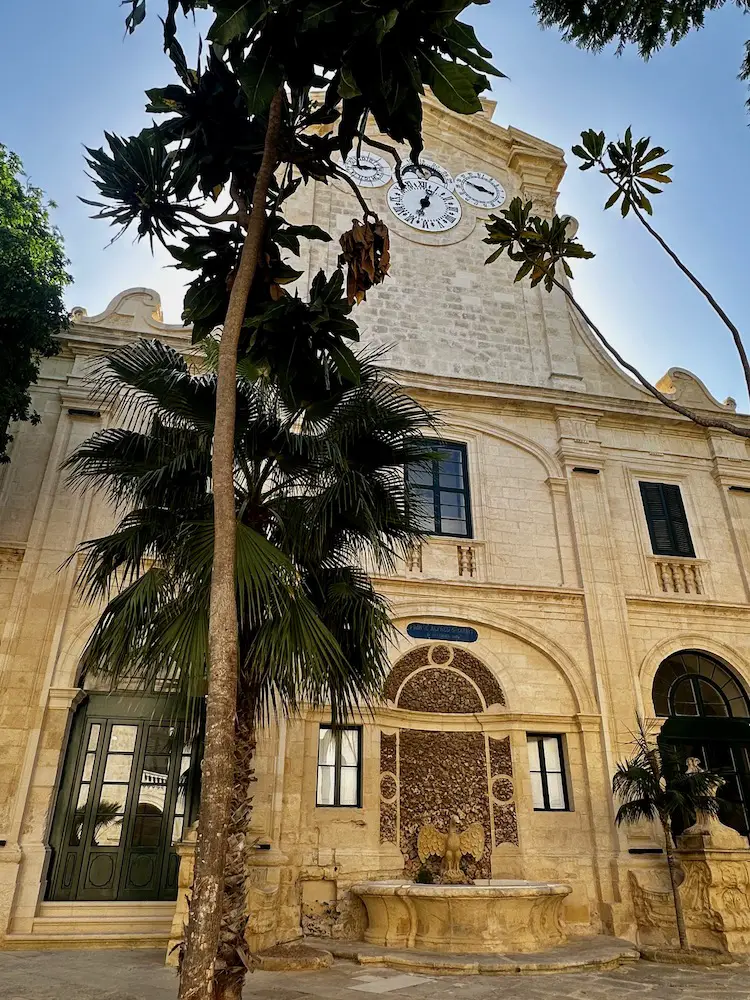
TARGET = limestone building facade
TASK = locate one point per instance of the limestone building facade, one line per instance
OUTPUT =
(589, 562)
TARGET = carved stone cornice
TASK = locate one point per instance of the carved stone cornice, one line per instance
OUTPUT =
(696, 607)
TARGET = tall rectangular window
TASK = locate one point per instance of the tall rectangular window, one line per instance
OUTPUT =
(442, 490)
(549, 790)
(339, 769)
(667, 521)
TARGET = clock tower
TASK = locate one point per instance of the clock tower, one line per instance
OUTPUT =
(442, 312)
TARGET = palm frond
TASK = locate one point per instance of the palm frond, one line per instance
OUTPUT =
(317, 497)
(149, 377)
(118, 559)
(655, 782)
(636, 811)
(116, 643)
(292, 658)
(165, 466)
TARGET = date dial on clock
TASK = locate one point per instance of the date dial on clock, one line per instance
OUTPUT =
(424, 204)
(480, 189)
(426, 170)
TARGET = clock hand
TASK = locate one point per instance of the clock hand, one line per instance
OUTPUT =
(479, 187)
(423, 204)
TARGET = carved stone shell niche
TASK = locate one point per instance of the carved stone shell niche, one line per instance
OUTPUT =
(442, 679)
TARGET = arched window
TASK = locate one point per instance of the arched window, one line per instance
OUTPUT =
(708, 716)
(691, 683)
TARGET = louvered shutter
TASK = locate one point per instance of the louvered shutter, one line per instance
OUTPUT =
(683, 544)
(667, 523)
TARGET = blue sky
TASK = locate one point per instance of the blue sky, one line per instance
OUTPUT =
(68, 73)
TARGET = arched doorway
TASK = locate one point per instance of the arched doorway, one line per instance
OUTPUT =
(708, 716)
(128, 789)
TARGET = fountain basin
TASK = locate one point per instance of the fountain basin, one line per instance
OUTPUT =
(489, 917)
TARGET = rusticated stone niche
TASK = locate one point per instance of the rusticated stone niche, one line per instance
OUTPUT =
(427, 776)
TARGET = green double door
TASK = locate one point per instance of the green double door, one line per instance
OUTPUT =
(127, 792)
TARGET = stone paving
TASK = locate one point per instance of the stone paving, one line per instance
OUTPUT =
(140, 975)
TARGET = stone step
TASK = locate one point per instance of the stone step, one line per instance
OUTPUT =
(101, 924)
(86, 941)
(576, 955)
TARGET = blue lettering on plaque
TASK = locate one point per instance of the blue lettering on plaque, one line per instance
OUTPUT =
(448, 633)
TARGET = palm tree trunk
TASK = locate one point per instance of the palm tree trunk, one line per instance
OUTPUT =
(233, 958)
(202, 937)
(672, 866)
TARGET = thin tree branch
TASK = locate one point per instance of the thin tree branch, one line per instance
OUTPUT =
(210, 220)
(697, 418)
(736, 336)
(387, 149)
(365, 207)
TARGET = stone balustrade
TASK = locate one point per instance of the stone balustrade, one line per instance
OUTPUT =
(445, 559)
(678, 576)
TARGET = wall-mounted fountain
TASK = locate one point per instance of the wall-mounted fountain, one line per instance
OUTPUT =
(457, 915)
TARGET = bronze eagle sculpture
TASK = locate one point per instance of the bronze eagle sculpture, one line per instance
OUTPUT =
(451, 847)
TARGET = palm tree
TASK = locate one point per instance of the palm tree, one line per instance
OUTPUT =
(654, 785)
(320, 492)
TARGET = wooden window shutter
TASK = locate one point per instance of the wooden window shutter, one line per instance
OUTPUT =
(683, 544)
(667, 522)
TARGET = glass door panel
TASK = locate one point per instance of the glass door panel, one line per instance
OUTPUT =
(124, 799)
(730, 760)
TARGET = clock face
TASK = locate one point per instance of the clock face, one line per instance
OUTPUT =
(367, 169)
(425, 205)
(427, 170)
(480, 189)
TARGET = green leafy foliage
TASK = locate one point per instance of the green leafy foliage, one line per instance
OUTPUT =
(592, 24)
(33, 276)
(188, 180)
(538, 245)
(654, 784)
(367, 57)
(630, 166)
(317, 493)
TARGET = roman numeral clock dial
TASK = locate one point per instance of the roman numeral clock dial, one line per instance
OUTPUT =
(367, 169)
(479, 189)
(424, 204)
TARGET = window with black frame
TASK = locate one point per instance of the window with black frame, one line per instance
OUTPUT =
(549, 790)
(441, 488)
(667, 521)
(339, 766)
